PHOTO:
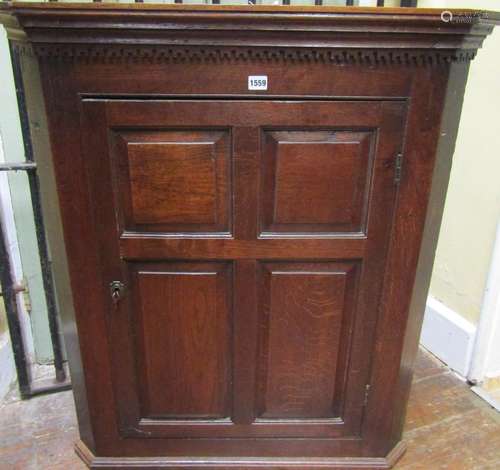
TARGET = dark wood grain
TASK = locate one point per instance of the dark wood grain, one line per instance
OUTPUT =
(182, 322)
(408, 28)
(136, 332)
(315, 181)
(191, 169)
(448, 130)
(305, 319)
(275, 260)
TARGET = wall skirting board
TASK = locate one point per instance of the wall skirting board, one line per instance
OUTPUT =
(448, 336)
(473, 352)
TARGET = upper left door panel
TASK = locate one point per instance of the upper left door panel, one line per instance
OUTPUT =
(189, 168)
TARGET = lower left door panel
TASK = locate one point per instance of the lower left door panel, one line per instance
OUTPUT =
(179, 317)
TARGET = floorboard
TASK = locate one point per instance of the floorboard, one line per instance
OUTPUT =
(447, 427)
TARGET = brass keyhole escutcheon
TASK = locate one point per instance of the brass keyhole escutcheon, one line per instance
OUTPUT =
(117, 290)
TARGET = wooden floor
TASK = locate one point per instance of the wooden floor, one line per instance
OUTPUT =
(448, 427)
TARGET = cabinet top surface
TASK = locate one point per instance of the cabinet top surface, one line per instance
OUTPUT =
(318, 10)
(463, 16)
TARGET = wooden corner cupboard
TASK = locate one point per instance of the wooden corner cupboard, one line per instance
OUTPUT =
(251, 198)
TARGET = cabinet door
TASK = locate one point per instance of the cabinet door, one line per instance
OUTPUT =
(248, 240)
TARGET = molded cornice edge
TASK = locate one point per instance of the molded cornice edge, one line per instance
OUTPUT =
(11, 25)
(100, 32)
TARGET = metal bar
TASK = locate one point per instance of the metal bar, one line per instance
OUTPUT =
(34, 185)
(22, 166)
(48, 282)
(16, 288)
(13, 320)
(43, 390)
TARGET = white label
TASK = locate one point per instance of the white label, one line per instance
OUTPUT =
(257, 82)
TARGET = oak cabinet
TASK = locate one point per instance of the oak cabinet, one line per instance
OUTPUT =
(249, 267)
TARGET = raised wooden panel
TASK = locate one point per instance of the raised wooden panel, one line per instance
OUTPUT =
(306, 312)
(175, 181)
(182, 325)
(172, 183)
(315, 181)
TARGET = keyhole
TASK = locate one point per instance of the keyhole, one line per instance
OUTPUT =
(117, 289)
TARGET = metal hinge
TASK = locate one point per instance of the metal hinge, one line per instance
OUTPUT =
(398, 165)
(367, 393)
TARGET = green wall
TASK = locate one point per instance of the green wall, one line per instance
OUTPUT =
(23, 214)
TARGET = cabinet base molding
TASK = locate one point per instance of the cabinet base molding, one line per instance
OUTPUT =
(197, 463)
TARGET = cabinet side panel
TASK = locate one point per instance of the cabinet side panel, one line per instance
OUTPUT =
(400, 309)
(91, 367)
(42, 153)
(444, 154)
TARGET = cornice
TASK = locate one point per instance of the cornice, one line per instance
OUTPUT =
(11, 25)
(118, 32)
(193, 54)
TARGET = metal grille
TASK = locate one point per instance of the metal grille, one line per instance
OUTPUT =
(9, 290)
